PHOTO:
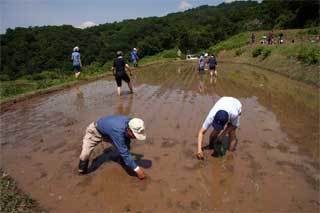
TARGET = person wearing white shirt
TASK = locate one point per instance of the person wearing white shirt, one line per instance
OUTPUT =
(224, 117)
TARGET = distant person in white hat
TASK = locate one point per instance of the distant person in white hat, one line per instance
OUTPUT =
(224, 117)
(76, 61)
(134, 57)
(119, 130)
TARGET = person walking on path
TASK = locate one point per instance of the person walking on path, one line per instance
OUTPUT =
(76, 61)
(134, 57)
(224, 117)
(212, 62)
(201, 64)
(119, 71)
(117, 129)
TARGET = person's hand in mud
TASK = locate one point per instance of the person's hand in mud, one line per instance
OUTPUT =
(140, 173)
(200, 155)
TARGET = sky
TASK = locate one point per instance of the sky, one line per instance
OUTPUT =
(85, 13)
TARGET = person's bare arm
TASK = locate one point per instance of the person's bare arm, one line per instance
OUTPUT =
(128, 68)
(201, 134)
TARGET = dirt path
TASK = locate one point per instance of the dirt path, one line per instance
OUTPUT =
(275, 168)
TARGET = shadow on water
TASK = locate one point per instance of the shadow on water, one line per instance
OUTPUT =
(110, 154)
(221, 146)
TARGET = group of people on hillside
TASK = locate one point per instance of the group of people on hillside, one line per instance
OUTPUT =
(268, 38)
(119, 130)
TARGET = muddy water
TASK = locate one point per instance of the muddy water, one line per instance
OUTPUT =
(275, 167)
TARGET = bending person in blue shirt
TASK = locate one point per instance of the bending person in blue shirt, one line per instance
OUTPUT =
(119, 129)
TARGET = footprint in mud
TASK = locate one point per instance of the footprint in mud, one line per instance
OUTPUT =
(38, 164)
(69, 122)
(85, 182)
(168, 143)
(195, 166)
(156, 158)
(194, 204)
(283, 148)
(52, 149)
(246, 141)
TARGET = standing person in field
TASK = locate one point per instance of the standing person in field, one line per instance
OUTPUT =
(117, 129)
(224, 117)
(134, 57)
(212, 62)
(201, 64)
(119, 71)
(76, 61)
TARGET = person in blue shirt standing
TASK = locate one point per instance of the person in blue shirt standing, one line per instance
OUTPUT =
(134, 57)
(76, 61)
(117, 129)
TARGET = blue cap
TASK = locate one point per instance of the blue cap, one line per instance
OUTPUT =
(220, 120)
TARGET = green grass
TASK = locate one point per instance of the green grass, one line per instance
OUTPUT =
(234, 42)
(14, 200)
(47, 79)
(166, 55)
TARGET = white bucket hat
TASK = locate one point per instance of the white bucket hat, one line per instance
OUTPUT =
(137, 127)
(76, 48)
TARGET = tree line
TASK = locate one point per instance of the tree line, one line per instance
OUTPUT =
(25, 51)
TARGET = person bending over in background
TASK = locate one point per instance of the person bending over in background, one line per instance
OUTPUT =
(225, 115)
(119, 71)
(117, 129)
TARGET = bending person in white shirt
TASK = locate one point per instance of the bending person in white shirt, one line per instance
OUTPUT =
(225, 115)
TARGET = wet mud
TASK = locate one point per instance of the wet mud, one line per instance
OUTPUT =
(274, 169)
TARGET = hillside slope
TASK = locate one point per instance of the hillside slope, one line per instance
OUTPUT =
(297, 58)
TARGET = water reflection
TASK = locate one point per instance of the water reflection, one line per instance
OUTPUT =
(124, 105)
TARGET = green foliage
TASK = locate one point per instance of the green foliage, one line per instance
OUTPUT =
(261, 50)
(9, 89)
(12, 199)
(234, 42)
(4, 77)
(257, 51)
(239, 51)
(265, 53)
(309, 55)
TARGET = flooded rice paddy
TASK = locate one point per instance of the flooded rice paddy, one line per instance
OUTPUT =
(275, 168)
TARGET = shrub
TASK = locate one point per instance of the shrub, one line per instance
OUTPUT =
(42, 84)
(170, 54)
(309, 55)
(239, 51)
(4, 77)
(257, 51)
(265, 53)
(10, 90)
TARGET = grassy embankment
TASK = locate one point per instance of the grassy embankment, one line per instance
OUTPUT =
(299, 60)
(47, 81)
(14, 200)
